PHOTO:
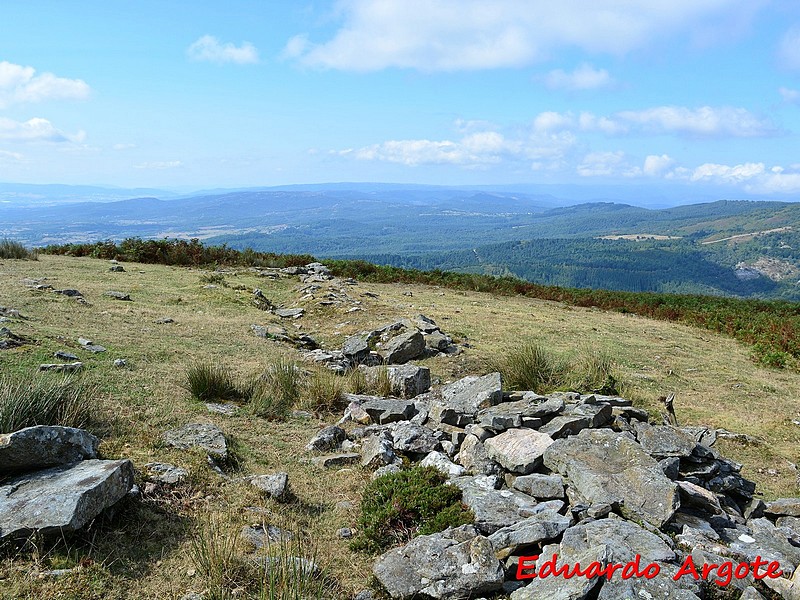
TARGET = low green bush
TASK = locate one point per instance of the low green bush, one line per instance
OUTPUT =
(398, 506)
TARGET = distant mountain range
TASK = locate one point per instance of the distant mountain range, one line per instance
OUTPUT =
(743, 248)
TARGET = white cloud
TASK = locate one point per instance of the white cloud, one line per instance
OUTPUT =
(790, 96)
(6, 156)
(657, 166)
(728, 174)
(436, 35)
(159, 165)
(789, 48)
(35, 130)
(20, 84)
(585, 77)
(753, 177)
(209, 48)
(607, 164)
(706, 121)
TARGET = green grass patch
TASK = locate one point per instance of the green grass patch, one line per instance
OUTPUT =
(45, 400)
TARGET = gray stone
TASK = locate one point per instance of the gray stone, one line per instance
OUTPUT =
(276, 486)
(334, 461)
(377, 451)
(409, 381)
(120, 363)
(440, 462)
(403, 348)
(518, 450)
(473, 457)
(166, 473)
(118, 296)
(326, 439)
(9, 340)
(609, 467)
(565, 425)
(461, 400)
(437, 340)
(784, 507)
(61, 355)
(289, 313)
(356, 348)
(455, 564)
(425, 324)
(493, 508)
(597, 414)
(541, 487)
(768, 542)
(117, 269)
(382, 410)
(226, 409)
(91, 346)
(62, 499)
(387, 470)
(751, 593)
(70, 293)
(542, 406)
(663, 441)
(695, 495)
(44, 446)
(624, 538)
(261, 536)
(561, 588)
(207, 437)
(417, 439)
(541, 527)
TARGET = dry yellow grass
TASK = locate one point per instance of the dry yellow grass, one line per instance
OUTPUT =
(145, 553)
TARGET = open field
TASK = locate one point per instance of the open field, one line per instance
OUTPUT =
(145, 552)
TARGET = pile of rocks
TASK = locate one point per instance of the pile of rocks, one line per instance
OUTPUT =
(584, 478)
(393, 344)
(52, 482)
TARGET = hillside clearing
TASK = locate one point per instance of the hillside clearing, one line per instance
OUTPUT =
(712, 376)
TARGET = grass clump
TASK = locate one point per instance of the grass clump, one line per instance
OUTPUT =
(208, 382)
(593, 371)
(44, 401)
(276, 390)
(398, 506)
(323, 390)
(12, 249)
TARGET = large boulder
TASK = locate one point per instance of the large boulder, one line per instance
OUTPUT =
(45, 446)
(62, 499)
(407, 381)
(518, 450)
(457, 563)
(403, 348)
(606, 467)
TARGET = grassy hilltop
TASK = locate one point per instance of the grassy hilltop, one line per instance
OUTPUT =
(147, 551)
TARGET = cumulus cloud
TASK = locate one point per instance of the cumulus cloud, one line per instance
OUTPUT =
(35, 130)
(657, 166)
(752, 177)
(437, 35)
(789, 48)
(20, 84)
(209, 49)
(585, 77)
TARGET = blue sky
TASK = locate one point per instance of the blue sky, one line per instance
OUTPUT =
(190, 94)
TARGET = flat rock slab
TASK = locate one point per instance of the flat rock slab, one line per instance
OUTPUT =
(166, 473)
(607, 467)
(62, 499)
(45, 446)
(518, 450)
(118, 295)
(289, 313)
(541, 527)
(663, 441)
(784, 507)
(455, 564)
(494, 509)
(461, 400)
(198, 435)
(62, 367)
(384, 410)
(334, 461)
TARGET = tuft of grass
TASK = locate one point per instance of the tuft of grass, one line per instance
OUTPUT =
(12, 249)
(375, 381)
(593, 371)
(290, 571)
(214, 278)
(208, 382)
(532, 367)
(41, 400)
(275, 392)
(214, 552)
(323, 390)
(399, 506)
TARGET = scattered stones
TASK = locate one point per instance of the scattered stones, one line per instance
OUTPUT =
(89, 345)
(327, 439)
(227, 409)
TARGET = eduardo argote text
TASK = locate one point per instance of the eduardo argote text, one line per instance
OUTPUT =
(721, 574)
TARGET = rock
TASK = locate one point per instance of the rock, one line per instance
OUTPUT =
(461, 400)
(541, 487)
(271, 332)
(493, 508)
(765, 540)
(62, 499)
(91, 346)
(606, 467)
(473, 457)
(356, 348)
(333, 461)
(382, 410)
(120, 363)
(695, 495)
(541, 527)
(565, 425)
(327, 439)
(118, 296)
(62, 367)
(388, 469)
(415, 439)
(276, 486)
(44, 446)
(518, 450)
(407, 381)
(61, 355)
(437, 340)
(562, 588)
(9, 340)
(261, 536)
(624, 538)
(784, 507)
(70, 293)
(377, 451)
(164, 321)
(289, 313)
(425, 324)
(403, 348)
(355, 412)
(664, 441)
(116, 269)
(454, 564)
(209, 438)
(260, 301)
(166, 473)
(226, 409)
(439, 461)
